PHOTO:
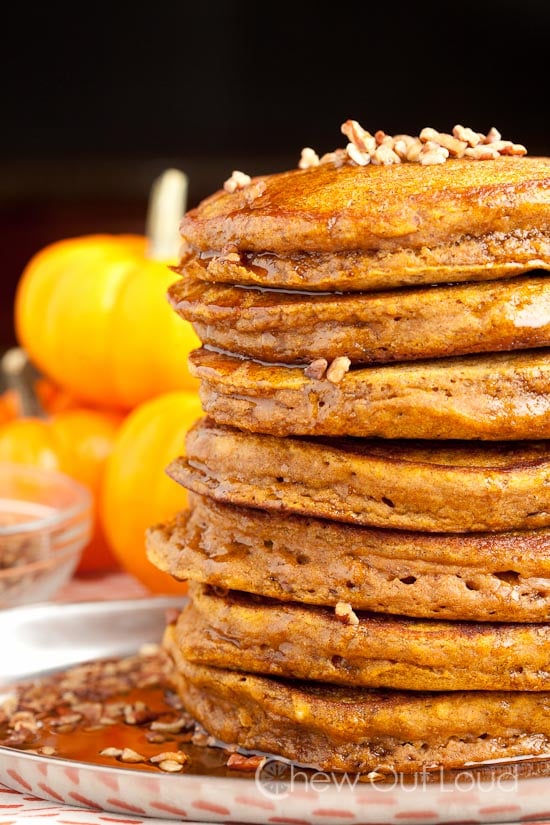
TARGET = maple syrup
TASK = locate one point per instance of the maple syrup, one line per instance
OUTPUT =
(87, 742)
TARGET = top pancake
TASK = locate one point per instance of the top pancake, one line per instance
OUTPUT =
(375, 207)
(372, 227)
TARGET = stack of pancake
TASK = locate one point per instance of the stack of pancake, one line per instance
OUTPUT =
(367, 542)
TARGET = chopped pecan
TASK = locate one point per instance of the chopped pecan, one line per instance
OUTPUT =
(239, 762)
(175, 756)
(493, 135)
(316, 369)
(338, 369)
(344, 612)
(384, 155)
(130, 755)
(238, 180)
(357, 156)
(431, 147)
(467, 135)
(308, 158)
(170, 766)
(358, 136)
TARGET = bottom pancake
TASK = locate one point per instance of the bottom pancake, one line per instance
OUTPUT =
(361, 730)
(241, 632)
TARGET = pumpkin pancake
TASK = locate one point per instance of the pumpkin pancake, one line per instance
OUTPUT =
(498, 255)
(360, 729)
(404, 324)
(374, 227)
(237, 631)
(348, 227)
(480, 576)
(351, 207)
(493, 397)
(433, 487)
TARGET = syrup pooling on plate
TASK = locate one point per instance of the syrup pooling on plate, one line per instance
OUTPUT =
(89, 712)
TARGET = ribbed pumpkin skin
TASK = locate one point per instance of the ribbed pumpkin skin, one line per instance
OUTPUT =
(93, 316)
(137, 492)
(76, 442)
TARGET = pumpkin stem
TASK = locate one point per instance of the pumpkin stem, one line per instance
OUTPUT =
(19, 376)
(167, 204)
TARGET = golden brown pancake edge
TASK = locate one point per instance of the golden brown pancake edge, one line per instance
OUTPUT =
(481, 577)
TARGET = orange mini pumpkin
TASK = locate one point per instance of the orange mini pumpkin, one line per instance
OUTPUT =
(136, 490)
(93, 316)
(76, 442)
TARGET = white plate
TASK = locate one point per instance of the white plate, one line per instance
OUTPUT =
(47, 637)
(42, 636)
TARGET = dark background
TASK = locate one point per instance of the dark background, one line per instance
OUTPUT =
(98, 99)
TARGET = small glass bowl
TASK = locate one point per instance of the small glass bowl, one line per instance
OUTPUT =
(45, 523)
